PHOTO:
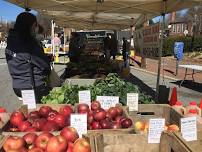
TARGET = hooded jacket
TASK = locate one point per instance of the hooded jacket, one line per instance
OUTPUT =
(26, 60)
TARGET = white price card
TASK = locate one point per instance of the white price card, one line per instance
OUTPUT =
(85, 97)
(28, 98)
(189, 129)
(108, 101)
(132, 101)
(156, 126)
(79, 122)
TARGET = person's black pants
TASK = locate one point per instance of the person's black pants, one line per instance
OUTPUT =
(39, 92)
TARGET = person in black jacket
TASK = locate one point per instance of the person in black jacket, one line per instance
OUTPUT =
(29, 67)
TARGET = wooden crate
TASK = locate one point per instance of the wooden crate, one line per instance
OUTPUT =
(175, 142)
(25, 110)
(149, 111)
(170, 142)
(4, 120)
(121, 143)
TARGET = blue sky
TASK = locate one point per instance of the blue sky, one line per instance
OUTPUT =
(181, 13)
(9, 11)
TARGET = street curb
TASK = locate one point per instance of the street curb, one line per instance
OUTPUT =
(153, 73)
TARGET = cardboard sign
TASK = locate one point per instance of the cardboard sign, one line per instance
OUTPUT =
(79, 122)
(189, 129)
(108, 101)
(156, 126)
(132, 101)
(85, 97)
(28, 98)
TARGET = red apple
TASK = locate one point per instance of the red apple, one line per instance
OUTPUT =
(42, 140)
(30, 139)
(95, 105)
(83, 108)
(60, 120)
(116, 125)
(31, 129)
(119, 118)
(2, 110)
(57, 144)
(70, 147)
(81, 145)
(44, 110)
(70, 134)
(34, 115)
(50, 126)
(112, 112)
(13, 143)
(66, 110)
(108, 117)
(16, 118)
(23, 149)
(95, 125)
(39, 123)
(52, 114)
(105, 124)
(90, 112)
(126, 123)
(99, 115)
(67, 121)
(90, 119)
(119, 110)
(36, 149)
(24, 125)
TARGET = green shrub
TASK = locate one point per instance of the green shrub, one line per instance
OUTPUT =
(197, 42)
(168, 46)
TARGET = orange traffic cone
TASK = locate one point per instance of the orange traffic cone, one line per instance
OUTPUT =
(173, 98)
(200, 105)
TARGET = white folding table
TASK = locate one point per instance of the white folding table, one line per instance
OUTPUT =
(194, 68)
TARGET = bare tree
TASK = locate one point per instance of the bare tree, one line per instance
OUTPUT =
(45, 22)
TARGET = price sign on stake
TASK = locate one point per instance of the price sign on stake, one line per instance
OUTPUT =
(108, 101)
(79, 122)
(28, 98)
(85, 97)
(132, 101)
(188, 128)
(156, 126)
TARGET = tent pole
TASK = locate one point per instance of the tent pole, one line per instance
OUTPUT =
(52, 39)
(160, 55)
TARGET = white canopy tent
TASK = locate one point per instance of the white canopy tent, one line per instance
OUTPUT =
(106, 14)
(103, 14)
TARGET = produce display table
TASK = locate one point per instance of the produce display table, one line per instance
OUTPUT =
(194, 68)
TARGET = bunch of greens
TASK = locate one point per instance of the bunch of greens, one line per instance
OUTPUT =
(112, 85)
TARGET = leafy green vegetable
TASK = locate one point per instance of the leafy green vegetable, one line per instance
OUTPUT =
(112, 85)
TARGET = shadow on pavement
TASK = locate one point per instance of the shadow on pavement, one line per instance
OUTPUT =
(169, 71)
(143, 87)
(190, 85)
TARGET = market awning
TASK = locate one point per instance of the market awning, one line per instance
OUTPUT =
(103, 14)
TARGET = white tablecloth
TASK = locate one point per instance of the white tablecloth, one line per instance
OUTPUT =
(193, 67)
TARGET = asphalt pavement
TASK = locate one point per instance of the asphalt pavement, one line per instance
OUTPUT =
(147, 81)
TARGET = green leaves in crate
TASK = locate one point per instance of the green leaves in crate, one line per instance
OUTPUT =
(112, 85)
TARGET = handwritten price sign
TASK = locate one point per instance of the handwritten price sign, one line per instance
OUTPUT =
(79, 122)
(108, 101)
